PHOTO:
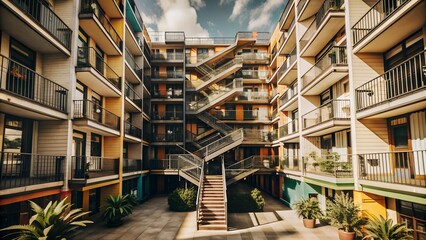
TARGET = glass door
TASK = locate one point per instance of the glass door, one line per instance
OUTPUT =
(79, 153)
(402, 158)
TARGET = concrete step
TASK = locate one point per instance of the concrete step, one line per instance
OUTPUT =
(218, 215)
(212, 209)
(213, 227)
(217, 221)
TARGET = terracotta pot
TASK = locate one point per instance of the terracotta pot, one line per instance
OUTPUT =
(346, 235)
(309, 223)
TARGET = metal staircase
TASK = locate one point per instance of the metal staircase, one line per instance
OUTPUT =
(220, 146)
(248, 166)
(213, 122)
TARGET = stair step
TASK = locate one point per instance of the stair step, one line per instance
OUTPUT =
(218, 204)
(212, 210)
(207, 215)
(216, 226)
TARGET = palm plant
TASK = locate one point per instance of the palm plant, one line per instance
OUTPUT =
(309, 210)
(118, 207)
(382, 229)
(56, 221)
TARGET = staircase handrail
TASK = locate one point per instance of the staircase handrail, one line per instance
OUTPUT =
(190, 153)
(231, 167)
(198, 201)
(212, 147)
(213, 120)
(236, 60)
(225, 197)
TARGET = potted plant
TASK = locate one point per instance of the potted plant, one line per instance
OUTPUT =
(56, 221)
(380, 228)
(118, 207)
(309, 210)
(345, 215)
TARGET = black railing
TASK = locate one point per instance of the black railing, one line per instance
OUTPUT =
(93, 7)
(42, 14)
(86, 109)
(146, 104)
(25, 169)
(168, 137)
(175, 74)
(132, 63)
(403, 79)
(147, 81)
(20, 80)
(132, 130)
(249, 115)
(289, 61)
(89, 167)
(381, 10)
(406, 167)
(88, 57)
(167, 115)
(334, 110)
(170, 93)
(132, 95)
(132, 165)
(146, 50)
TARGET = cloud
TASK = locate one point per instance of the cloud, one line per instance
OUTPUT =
(179, 15)
(211, 24)
(148, 20)
(261, 15)
(239, 9)
(197, 4)
(222, 2)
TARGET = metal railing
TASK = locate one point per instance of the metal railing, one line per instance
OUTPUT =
(336, 56)
(195, 105)
(86, 109)
(405, 167)
(250, 163)
(45, 16)
(25, 169)
(20, 80)
(89, 167)
(167, 56)
(289, 94)
(292, 163)
(327, 7)
(289, 128)
(164, 164)
(224, 67)
(287, 8)
(132, 130)
(289, 61)
(254, 96)
(220, 144)
(132, 95)
(93, 7)
(147, 81)
(400, 80)
(257, 135)
(132, 63)
(199, 192)
(334, 110)
(132, 165)
(88, 57)
(379, 12)
(213, 122)
(146, 104)
(255, 56)
(249, 115)
(167, 137)
(300, 5)
(174, 36)
(253, 74)
(167, 115)
(209, 40)
(170, 93)
(175, 74)
(335, 165)
(225, 196)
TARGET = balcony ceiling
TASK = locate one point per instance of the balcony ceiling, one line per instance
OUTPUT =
(327, 78)
(95, 127)
(94, 80)
(310, 8)
(290, 43)
(326, 128)
(289, 75)
(131, 75)
(131, 42)
(111, 8)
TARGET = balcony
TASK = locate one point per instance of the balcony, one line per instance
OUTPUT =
(243, 115)
(255, 137)
(134, 43)
(133, 16)
(133, 101)
(399, 90)
(132, 166)
(168, 57)
(288, 70)
(94, 22)
(288, 132)
(252, 75)
(254, 97)
(132, 133)
(327, 71)
(147, 82)
(95, 118)
(291, 164)
(386, 24)
(92, 169)
(95, 73)
(174, 37)
(255, 58)
(288, 39)
(329, 19)
(331, 168)
(287, 15)
(35, 25)
(288, 101)
(166, 138)
(169, 116)
(331, 117)
(25, 93)
(28, 172)
(133, 71)
(404, 170)
(274, 115)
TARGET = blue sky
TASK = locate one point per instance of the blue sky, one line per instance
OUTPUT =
(214, 18)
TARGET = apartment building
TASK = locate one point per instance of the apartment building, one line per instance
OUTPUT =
(71, 103)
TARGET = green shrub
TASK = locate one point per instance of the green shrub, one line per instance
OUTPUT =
(308, 208)
(182, 199)
(246, 202)
(118, 207)
(258, 199)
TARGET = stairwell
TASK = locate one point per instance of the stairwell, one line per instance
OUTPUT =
(212, 211)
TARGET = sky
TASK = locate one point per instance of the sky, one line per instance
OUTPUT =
(211, 18)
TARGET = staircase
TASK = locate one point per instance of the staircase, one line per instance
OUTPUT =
(212, 209)
(220, 146)
(213, 122)
(248, 166)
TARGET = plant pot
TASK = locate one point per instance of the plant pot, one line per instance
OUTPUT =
(346, 235)
(309, 223)
(113, 224)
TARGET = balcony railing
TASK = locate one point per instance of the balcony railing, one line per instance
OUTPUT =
(334, 165)
(167, 115)
(25, 169)
(274, 113)
(253, 74)
(132, 63)
(89, 167)
(147, 81)
(168, 56)
(132, 130)
(136, 12)
(132, 95)
(248, 115)
(336, 56)
(209, 40)
(164, 164)
(405, 167)
(174, 36)
(88, 57)
(92, 7)
(256, 135)
(334, 110)
(326, 7)
(289, 128)
(287, 9)
(254, 96)
(300, 5)
(167, 94)
(24, 82)
(289, 94)
(132, 165)
(379, 12)
(44, 16)
(224, 67)
(289, 61)
(168, 137)
(255, 56)
(86, 109)
(292, 163)
(146, 103)
(175, 74)
(401, 80)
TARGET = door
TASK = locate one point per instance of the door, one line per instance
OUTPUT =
(401, 157)
(79, 153)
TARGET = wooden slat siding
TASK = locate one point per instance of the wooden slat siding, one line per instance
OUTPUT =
(52, 137)
(135, 151)
(66, 11)
(372, 136)
(116, 64)
(358, 8)
(365, 67)
(112, 147)
(310, 144)
(114, 105)
(109, 190)
(118, 25)
(56, 67)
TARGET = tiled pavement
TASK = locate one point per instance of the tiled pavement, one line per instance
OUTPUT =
(153, 220)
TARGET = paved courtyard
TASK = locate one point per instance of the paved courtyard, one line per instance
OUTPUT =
(153, 220)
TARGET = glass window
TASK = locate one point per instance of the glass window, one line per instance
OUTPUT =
(400, 136)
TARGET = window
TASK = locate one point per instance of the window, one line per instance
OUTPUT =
(327, 143)
(96, 145)
(326, 96)
(415, 216)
